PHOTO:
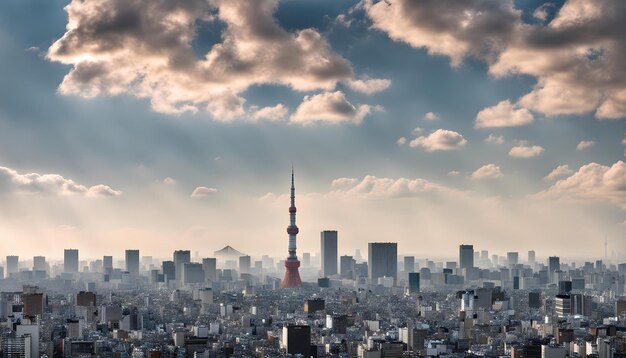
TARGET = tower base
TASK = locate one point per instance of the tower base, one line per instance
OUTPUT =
(292, 275)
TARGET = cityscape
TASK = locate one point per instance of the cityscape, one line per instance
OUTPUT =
(312, 178)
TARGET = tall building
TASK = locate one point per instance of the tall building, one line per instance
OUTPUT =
(414, 282)
(346, 266)
(512, 258)
(329, 252)
(107, 264)
(554, 263)
(39, 263)
(244, 264)
(466, 256)
(409, 264)
(12, 264)
(531, 257)
(70, 261)
(193, 273)
(382, 260)
(169, 270)
(297, 340)
(132, 262)
(209, 265)
(292, 275)
(181, 257)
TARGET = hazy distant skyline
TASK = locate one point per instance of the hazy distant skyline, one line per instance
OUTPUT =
(173, 124)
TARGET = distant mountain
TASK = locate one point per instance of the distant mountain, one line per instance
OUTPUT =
(228, 251)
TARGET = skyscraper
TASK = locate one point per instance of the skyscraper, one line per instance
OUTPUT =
(107, 264)
(512, 258)
(329, 252)
(132, 262)
(414, 282)
(39, 263)
(292, 275)
(244, 264)
(12, 264)
(181, 257)
(466, 256)
(209, 265)
(409, 264)
(70, 261)
(347, 264)
(531, 257)
(382, 260)
(297, 340)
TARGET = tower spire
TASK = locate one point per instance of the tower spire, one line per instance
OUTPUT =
(292, 276)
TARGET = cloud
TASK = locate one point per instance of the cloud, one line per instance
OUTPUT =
(624, 140)
(584, 144)
(559, 172)
(441, 139)
(542, 12)
(169, 181)
(431, 116)
(373, 187)
(417, 130)
(343, 182)
(401, 141)
(276, 113)
(488, 171)
(202, 191)
(330, 107)
(525, 151)
(594, 182)
(51, 184)
(576, 57)
(369, 85)
(144, 48)
(504, 114)
(492, 138)
(454, 173)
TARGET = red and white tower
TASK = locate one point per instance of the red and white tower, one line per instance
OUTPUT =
(292, 276)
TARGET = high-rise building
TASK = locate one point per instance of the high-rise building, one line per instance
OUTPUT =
(132, 262)
(297, 340)
(39, 263)
(466, 256)
(346, 267)
(382, 260)
(70, 261)
(562, 305)
(244, 264)
(414, 282)
(329, 252)
(512, 258)
(181, 257)
(409, 264)
(209, 265)
(554, 263)
(193, 273)
(531, 257)
(107, 263)
(169, 270)
(12, 264)
(292, 275)
(306, 259)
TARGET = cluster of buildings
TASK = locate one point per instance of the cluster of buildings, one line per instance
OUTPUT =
(327, 305)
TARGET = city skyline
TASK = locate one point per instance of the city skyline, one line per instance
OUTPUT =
(500, 125)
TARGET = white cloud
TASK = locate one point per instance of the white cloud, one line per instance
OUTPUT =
(275, 113)
(52, 184)
(417, 130)
(374, 187)
(144, 48)
(525, 151)
(454, 173)
(169, 181)
(492, 138)
(542, 12)
(575, 73)
(202, 191)
(594, 182)
(624, 140)
(343, 182)
(431, 116)
(559, 172)
(369, 85)
(488, 171)
(401, 141)
(330, 107)
(584, 144)
(441, 139)
(504, 114)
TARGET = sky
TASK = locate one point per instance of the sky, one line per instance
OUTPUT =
(173, 124)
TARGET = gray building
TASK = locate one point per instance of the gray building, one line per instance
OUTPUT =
(346, 266)
(244, 264)
(12, 264)
(382, 260)
(209, 265)
(329, 253)
(193, 273)
(181, 257)
(466, 256)
(70, 261)
(132, 262)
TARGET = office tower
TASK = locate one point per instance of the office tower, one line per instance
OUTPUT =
(414, 282)
(33, 303)
(297, 340)
(409, 264)
(346, 267)
(107, 263)
(484, 256)
(181, 257)
(292, 275)
(531, 257)
(306, 259)
(70, 261)
(86, 299)
(466, 256)
(554, 264)
(132, 262)
(382, 260)
(329, 253)
(244, 264)
(193, 273)
(209, 265)
(562, 305)
(39, 263)
(512, 258)
(169, 270)
(12, 265)
(534, 299)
